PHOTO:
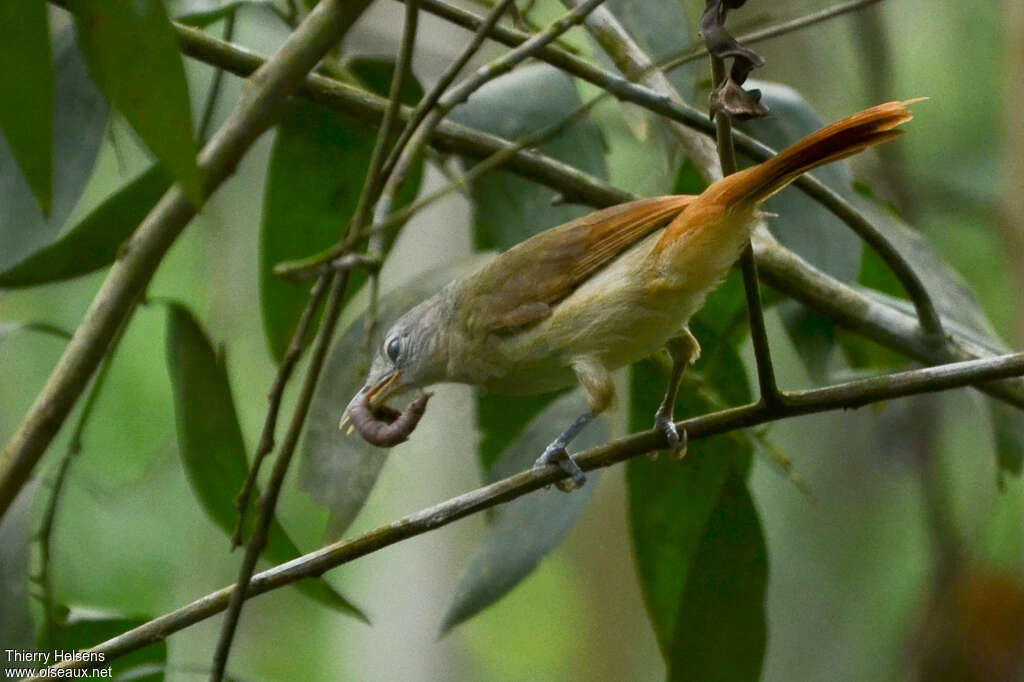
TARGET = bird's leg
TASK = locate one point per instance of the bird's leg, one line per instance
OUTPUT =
(684, 351)
(556, 453)
(600, 391)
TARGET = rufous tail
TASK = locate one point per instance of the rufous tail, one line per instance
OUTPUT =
(841, 139)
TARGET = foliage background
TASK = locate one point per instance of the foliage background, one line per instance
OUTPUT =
(849, 575)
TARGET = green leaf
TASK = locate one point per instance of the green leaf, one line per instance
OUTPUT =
(523, 531)
(1009, 428)
(339, 470)
(670, 502)
(94, 241)
(317, 169)
(8, 328)
(814, 337)
(16, 631)
(508, 209)
(211, 445)
(26, 92)
(959, 307)
(83, 629)
(721, 629)
(133, 55)
(80, 118)
(861, 352)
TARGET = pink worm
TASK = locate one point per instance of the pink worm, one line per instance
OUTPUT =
(390, 427)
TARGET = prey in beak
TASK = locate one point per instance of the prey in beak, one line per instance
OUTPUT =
(377, 423)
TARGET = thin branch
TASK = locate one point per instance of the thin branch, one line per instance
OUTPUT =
(760, 35)
(377, 176)
(842, 396)
(268, 500)
(769, 390)
(426, 104)
(637, 65)
(206, 122)
(461, 92)
(284, 372)
(139, 257)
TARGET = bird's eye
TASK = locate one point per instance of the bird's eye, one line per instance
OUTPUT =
(393, 349)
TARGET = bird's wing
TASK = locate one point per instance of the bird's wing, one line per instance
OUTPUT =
(520, 287)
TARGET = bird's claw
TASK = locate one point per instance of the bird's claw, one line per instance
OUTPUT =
(677, 440)
(555, 454)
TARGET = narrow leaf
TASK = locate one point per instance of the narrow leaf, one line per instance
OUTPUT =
(508, 209)
(958, 305)
(94, 241)
(133, 55)
(523, 531)
(317, 168)
(211, 445)
(8, 328)
(339, 470)
(721, 630)
(670, 502)
(80, 118)
(26, 92)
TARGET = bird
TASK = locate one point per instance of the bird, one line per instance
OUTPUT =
(573, 303)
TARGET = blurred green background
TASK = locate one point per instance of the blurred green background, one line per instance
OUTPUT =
(850, 575)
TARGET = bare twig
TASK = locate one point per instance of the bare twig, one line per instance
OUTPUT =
(425, 105)
(284, 372)
(780, 29)
(769, 390)
(842, 396)
(268, 501)
(461, 92)
(377, 176)
(206, 122)
(141, 255)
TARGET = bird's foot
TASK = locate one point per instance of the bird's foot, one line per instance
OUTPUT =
(557, 454)
(676, 438)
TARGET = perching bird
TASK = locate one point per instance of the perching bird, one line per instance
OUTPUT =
(573, 303)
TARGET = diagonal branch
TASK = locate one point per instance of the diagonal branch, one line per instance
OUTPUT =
(141, 255)
(842, 396)
(339, 282)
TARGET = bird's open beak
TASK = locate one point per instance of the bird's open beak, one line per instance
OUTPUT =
(376, 395)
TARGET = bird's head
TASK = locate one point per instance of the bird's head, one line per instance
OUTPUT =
(412, 355)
